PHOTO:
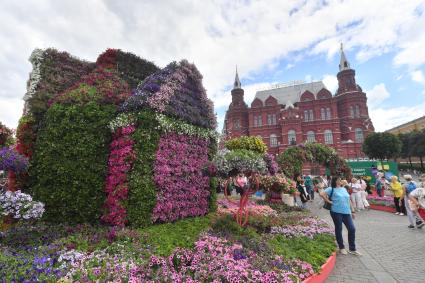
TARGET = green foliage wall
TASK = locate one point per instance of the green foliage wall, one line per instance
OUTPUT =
(249, 143)
(142, 192)
(70, 162)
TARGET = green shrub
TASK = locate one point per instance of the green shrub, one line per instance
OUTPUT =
(164, 238)
(227, 226)
(142, 192)
(315, 251)
(248, 143)
(70, 162)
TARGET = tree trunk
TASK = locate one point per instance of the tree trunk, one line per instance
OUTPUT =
(422, 163)
(410, 162)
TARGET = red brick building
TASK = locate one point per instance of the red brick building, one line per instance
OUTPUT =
(297, 112)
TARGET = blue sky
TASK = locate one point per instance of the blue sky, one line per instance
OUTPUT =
(271, 41)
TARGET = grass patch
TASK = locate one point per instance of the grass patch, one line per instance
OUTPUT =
(164, 238)
(315, 251)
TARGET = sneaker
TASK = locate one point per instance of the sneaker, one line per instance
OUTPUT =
(411, 226)
(356, 253)
(419, 224)
(343, 251)
(401, 214)
(397, 213)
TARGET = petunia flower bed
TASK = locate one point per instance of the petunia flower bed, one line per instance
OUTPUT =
(213, 248)
(384, 201)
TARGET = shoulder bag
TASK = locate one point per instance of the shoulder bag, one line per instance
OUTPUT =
(328, 205)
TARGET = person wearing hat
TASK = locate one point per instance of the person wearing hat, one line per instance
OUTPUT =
(414, 218)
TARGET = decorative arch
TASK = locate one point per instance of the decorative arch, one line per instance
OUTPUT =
(257, 103)
(307, 96)
(271, 101)
(292, 159)
(323, 94)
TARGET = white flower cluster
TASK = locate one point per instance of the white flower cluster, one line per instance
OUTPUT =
(70, 257)
(36, 59)
(20, 206)
(173, 125)
(122, 120)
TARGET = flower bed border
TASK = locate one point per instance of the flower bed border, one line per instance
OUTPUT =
(325, 271)
(382, 208)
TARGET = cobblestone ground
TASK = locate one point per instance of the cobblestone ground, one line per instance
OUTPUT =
(391, 251)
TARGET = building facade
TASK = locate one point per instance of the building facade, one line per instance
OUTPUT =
(297, 112)
(414, 125)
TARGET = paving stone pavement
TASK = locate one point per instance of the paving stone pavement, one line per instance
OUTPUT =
(391, 252)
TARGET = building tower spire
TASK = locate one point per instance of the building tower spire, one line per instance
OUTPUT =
(343, 63)
(237, 83)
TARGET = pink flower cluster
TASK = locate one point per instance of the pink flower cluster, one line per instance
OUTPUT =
(307, 227)
(182, 190)
(212, 260)
(226, 207)
(120, 161)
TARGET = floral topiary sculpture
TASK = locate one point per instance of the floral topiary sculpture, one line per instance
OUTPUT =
(161, 141)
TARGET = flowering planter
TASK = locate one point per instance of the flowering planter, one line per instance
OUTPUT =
(325, 271)
(288, 199)
(382, 208)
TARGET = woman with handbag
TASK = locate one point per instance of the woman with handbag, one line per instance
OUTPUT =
(337, 200)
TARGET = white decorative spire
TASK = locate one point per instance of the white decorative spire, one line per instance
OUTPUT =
(343, 63)
(237, 83)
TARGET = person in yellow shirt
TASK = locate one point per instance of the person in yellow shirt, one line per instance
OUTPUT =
(398, 192)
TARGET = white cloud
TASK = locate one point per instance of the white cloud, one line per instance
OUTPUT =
(331, 82)
(215, 35)
(387, 118)
(377, 95)
(418, 76)
(289, 66)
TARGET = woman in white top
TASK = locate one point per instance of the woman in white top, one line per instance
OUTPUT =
(356, 196)
(363, 192)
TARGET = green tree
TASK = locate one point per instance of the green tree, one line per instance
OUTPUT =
(406, 151)
(382, 146)
(418, 145)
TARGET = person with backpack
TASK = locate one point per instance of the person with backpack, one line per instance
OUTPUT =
(408, 188)
(379, 186)
(416, 201)
(308, 183)
(303, 195)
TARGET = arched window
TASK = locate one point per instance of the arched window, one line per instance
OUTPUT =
(306, 119)
(258, 121)
(328, 114)
(236, 124)
(271, 119)
(311, 115)
(292, 137)
(273, 140)
(359, 135)
(311, 137)
(328, 137)
(351, 112)
(357, 111)
(322, 113)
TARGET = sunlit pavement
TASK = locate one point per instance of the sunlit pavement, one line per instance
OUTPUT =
(391, 251)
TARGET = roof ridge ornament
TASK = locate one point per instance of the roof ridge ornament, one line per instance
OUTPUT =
(237, 83)
(343, 63)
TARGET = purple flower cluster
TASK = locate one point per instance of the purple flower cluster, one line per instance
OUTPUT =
(271, 163)
(177, 91)
(182, 190)
(308, 227)
(12, 160)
